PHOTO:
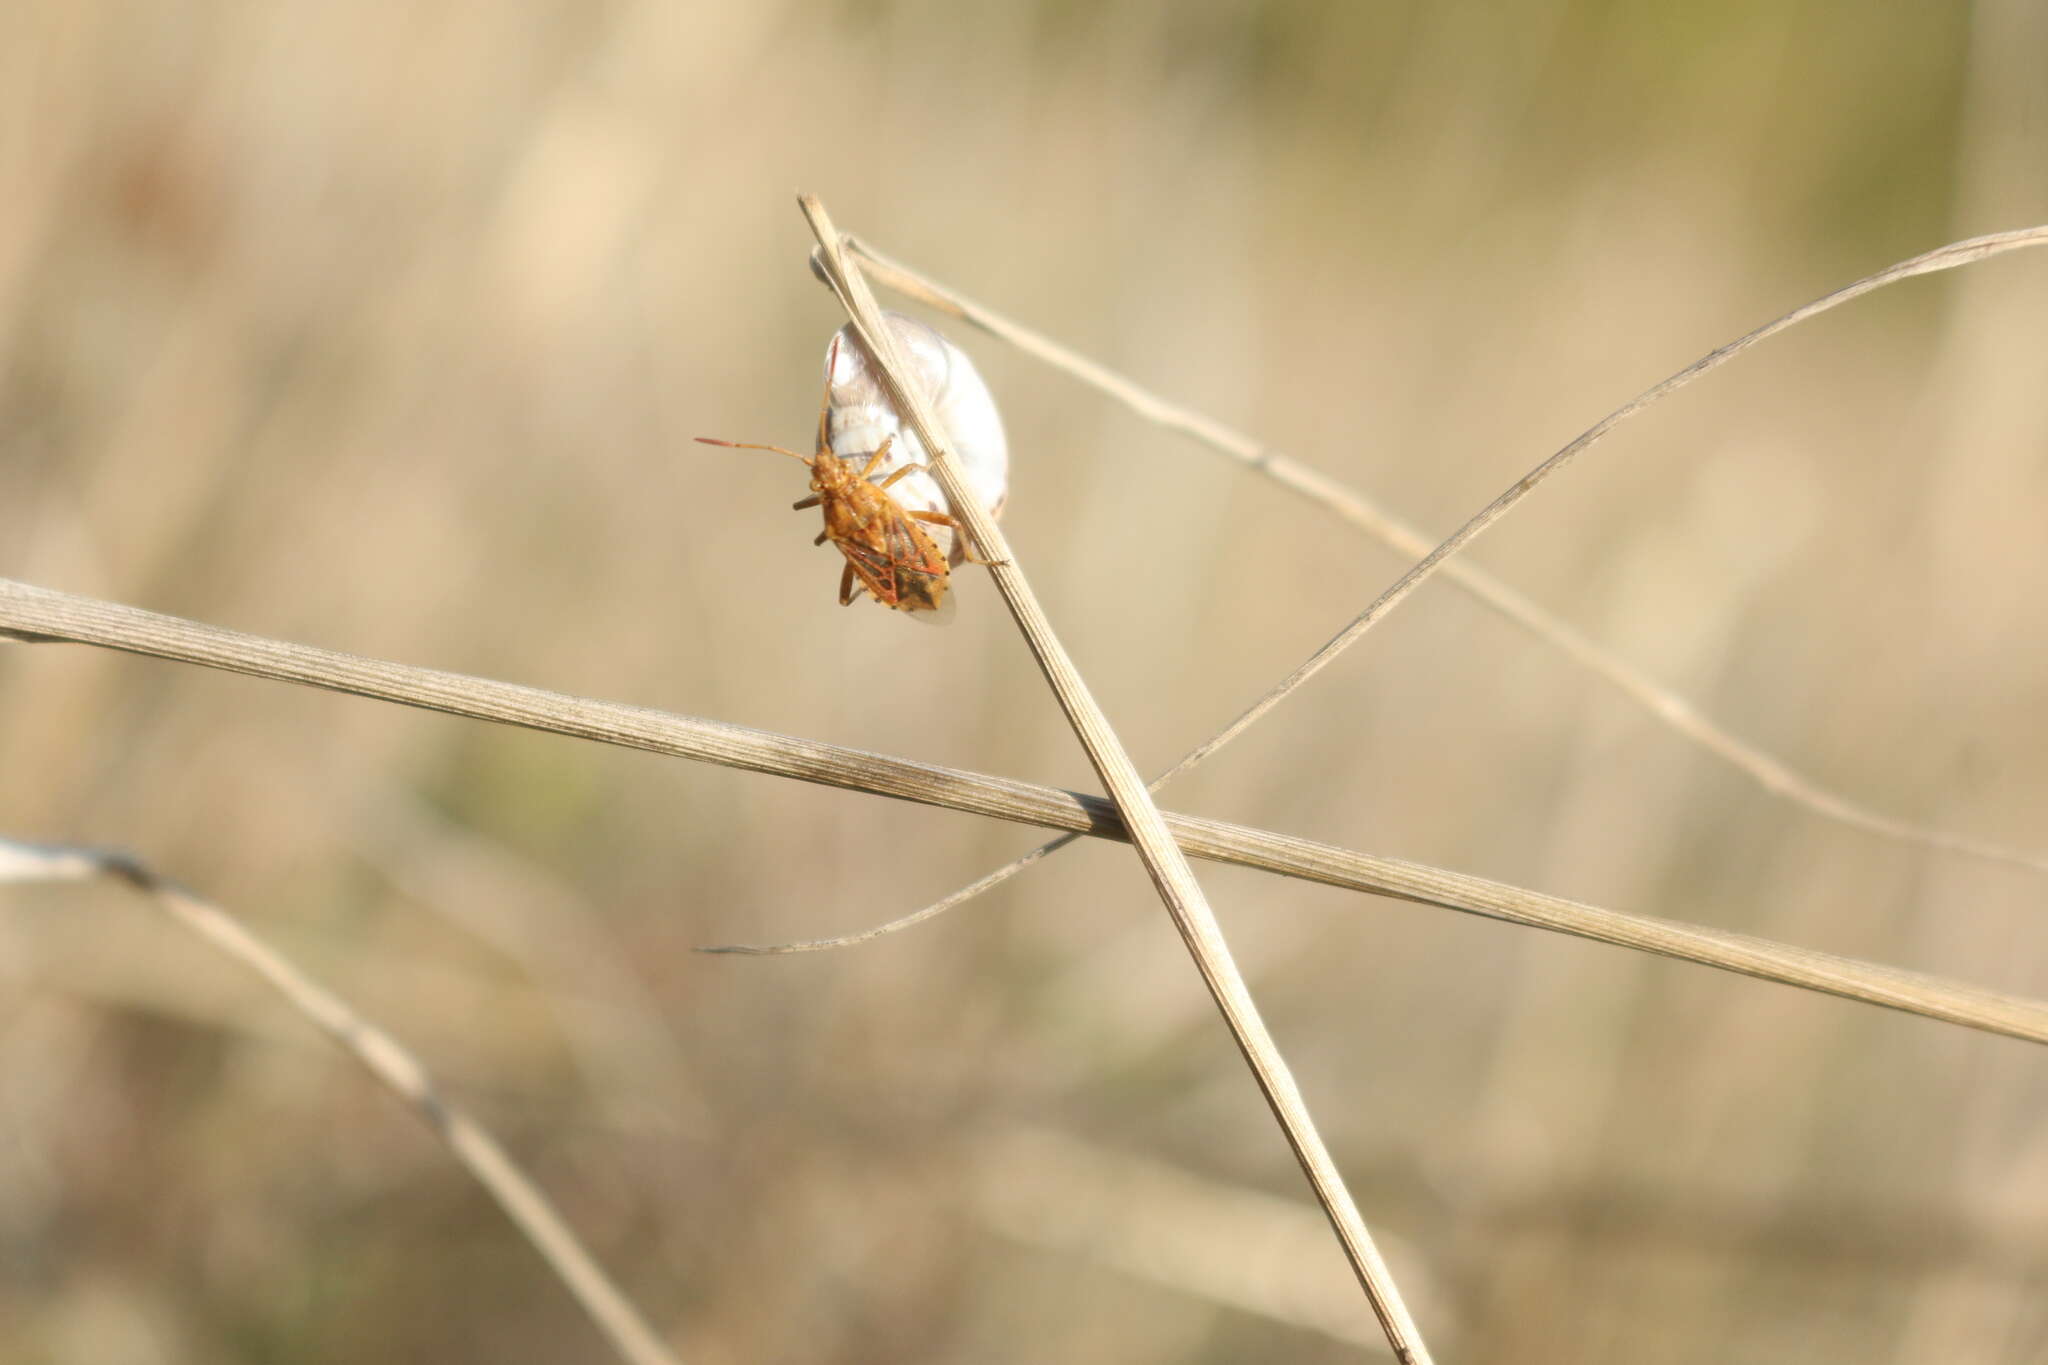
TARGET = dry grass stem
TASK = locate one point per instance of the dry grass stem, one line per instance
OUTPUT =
(1168, 867)
(1772, 773)
(39, 614)
(390, 1062)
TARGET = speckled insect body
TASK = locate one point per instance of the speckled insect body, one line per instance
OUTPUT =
(888, 552)
(891, 555)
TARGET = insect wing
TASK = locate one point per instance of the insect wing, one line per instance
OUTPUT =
(874, 570)
(940, 615)
(921, 570)
(896, 560)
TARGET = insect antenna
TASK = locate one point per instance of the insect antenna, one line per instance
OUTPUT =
(750, 445)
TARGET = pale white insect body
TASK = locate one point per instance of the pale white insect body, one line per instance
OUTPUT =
(860, 416)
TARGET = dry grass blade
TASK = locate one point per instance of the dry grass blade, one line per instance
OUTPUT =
(39, 614)
(1164, 862)
(386, 1059)
(1773, 774)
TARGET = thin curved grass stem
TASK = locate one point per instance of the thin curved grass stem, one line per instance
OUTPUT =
(390, 1062)
(1770, 772)
(1664, 705)
(914, 918)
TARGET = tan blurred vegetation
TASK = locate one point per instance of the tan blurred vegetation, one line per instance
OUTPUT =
(385, 327)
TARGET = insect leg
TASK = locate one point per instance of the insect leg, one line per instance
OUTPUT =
(907, 469)
(812, 501)
(881, 454)
(848, 589)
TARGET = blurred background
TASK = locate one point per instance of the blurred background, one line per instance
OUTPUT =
(385, 328)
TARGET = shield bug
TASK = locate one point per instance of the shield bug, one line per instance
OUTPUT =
(888, 551)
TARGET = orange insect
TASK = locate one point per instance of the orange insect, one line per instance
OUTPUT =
(885, 548)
